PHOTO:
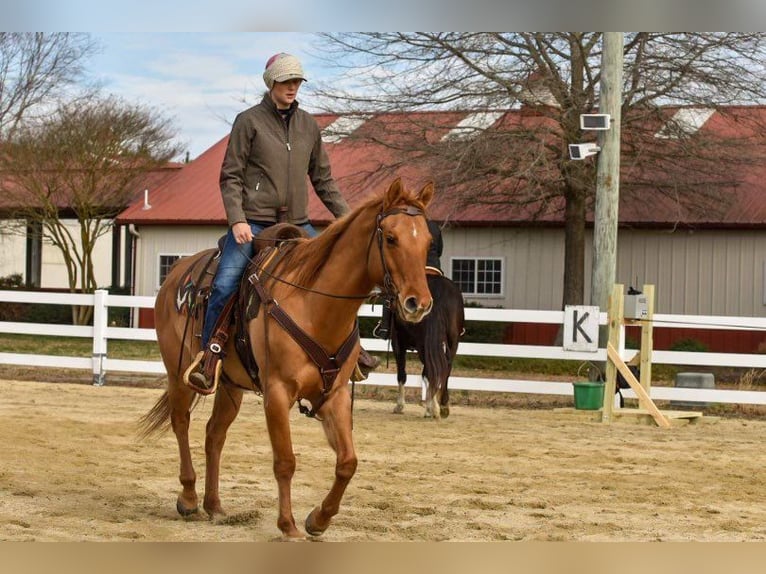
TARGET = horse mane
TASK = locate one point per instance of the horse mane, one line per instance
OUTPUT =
(310, 255)
(313, 253)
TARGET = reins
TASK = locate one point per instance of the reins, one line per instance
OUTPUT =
(388, 284)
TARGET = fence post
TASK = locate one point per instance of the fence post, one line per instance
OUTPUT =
(100, 321)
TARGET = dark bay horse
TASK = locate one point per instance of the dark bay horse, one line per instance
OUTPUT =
(435, 339)
(319, 284)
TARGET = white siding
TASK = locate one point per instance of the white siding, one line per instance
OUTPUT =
(54, 273)
(697, 272)
(702, 272)
(12, 249)
(167, 240)
(533, 263)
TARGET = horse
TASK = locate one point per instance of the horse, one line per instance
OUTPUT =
(435, 339)
(317, 286)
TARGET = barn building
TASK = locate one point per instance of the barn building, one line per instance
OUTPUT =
(700, 265)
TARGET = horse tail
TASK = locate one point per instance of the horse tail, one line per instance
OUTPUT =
(436, 346)
(436, 365)
(157, 420)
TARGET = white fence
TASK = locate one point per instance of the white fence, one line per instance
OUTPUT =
(99, 362)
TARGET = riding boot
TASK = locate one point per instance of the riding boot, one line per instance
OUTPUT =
(367, 363)
(204, 372)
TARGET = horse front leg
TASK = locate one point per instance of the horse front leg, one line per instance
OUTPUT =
(180, 398)
(277, 407)
(228, 400)
(336, 422)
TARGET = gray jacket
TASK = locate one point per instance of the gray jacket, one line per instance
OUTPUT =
(266, 164)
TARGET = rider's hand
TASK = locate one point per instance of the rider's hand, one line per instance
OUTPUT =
(242, 232)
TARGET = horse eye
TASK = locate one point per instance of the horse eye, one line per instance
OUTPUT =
(390, 240)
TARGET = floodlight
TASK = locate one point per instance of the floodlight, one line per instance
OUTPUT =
(595, 121)
(581, 151)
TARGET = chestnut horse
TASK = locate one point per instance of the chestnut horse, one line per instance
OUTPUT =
(320, 284)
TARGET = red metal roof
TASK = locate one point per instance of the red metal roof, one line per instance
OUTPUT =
(192, 196)
(361, 166)
(151, 180)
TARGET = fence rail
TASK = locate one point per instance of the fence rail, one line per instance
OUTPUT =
(99, 363)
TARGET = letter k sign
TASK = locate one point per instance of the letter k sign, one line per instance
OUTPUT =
(581, 328)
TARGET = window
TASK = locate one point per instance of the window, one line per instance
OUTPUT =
(478, 276)
(166, 262)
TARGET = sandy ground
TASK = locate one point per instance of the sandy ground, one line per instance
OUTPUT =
(72, 469)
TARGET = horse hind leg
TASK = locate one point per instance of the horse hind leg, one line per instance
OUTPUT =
(227, 403)
(180, 400)
(400, 398)
(450, 351)
(401, 379)
(431, 403)
(444, 393)
(428, 402)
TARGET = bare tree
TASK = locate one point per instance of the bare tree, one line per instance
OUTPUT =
(552, 78)
(86, 162)
(36, 70)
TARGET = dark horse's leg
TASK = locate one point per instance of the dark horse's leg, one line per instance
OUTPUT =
(228, 400)
(451, 351)
(336, 422)
(400, 355)
(180, 399)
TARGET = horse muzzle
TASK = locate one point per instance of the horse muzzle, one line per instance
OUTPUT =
(413, 310)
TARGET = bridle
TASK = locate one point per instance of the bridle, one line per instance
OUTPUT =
(389, 289)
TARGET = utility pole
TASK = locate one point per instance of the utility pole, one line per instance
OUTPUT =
(608, 173)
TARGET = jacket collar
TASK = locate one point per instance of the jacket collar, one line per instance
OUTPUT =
(269, 103)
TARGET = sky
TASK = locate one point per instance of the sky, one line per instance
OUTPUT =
(199, 80)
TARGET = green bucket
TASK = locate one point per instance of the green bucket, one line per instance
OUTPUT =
(588, 396)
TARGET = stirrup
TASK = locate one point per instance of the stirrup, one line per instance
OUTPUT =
(194, 366)
(380, 332)
(358, 375)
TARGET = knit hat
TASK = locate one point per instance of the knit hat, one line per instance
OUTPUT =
(282, 67)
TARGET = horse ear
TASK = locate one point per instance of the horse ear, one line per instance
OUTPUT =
(426, 194)
(395, 192)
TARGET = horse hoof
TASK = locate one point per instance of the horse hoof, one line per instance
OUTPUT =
(398, 410)
(215, 513)
(185, 512)
(312, 530)
(444, 412)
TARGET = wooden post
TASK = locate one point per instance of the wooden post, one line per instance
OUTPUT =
(647, 340)
(644, 399)
(608, 172)
(615, 363)
(615, 312)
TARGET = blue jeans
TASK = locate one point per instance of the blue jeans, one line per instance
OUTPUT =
(231, 267)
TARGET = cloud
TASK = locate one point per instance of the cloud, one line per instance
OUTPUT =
(202, 80)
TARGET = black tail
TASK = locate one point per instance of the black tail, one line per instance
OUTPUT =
(442, 330)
